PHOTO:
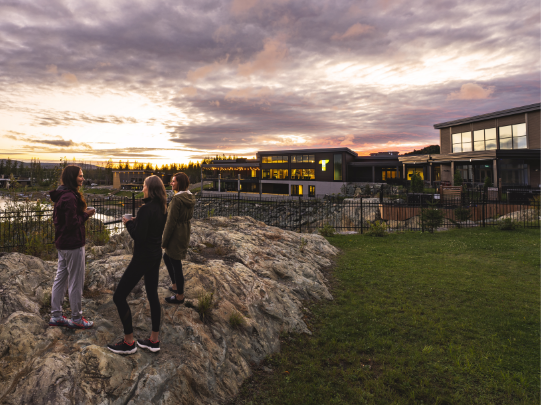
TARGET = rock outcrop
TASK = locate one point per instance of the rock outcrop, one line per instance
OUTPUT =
(259, 273)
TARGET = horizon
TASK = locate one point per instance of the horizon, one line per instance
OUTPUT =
(161, 83)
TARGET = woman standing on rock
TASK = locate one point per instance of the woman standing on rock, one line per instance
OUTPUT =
(146, 231)
(69, 216)
(176, 236)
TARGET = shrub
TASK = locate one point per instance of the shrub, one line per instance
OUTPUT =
(507, 224)
(488, 183)
(367, 190)
(378, 228)
(458, 178)
(462, 214)
(236, 320)
(327, 230)
(417, 184)
(431, 217)
(205, 305)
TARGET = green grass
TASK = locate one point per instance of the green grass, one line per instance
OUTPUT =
(418, 318)
(138, 194)
(96, 191)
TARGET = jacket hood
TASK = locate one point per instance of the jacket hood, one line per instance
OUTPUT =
(59, 192)
(188, 199)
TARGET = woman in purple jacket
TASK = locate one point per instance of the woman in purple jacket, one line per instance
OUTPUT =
(69, 217)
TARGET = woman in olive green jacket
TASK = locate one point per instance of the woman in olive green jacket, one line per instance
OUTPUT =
(176, 235)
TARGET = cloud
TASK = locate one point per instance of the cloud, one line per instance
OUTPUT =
(355, 30)
(52, 69)
(472, 91)
(239, 7)
(70, 78)
(249, 93)
(266, 61)
(13, 137)
(61, 142)
(188, 91)
(348, 141)
(204, 71)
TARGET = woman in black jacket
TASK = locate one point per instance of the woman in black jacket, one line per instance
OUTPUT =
(146, 231)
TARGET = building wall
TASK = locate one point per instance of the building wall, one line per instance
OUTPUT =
(445, 140)
(322, 187)
(534, 130)
(116, 180)
(446, 174)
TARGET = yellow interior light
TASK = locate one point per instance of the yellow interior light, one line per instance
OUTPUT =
(323, 164)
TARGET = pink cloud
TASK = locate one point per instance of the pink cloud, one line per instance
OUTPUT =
(249, 93)
(70, 78)
(471, 91)
(268, 60)
(241, 6)
(355, 30)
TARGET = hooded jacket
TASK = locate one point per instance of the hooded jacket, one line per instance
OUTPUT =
(147, 228)
(69, 223)
(176, 235)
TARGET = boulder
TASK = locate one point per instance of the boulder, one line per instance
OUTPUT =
(260, 272)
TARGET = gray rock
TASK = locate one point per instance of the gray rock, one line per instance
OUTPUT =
(259, 271)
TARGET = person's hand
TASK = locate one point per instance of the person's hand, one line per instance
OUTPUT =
(90, 211)
(126, 220)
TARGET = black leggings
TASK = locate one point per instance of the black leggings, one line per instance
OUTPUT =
(174, 267)
(149, 267)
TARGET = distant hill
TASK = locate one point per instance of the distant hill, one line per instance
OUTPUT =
(429, 150)
(50, 165)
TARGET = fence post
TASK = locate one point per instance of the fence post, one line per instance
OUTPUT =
(238, 204)
(362, 215)
(133, 204)
(300, 215)
(483, 208)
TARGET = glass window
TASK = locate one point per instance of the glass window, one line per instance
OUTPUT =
(412, 170)
(308, 174)
(513, 137)
(311, 159)
(338, 166)
(296, 190)
(311, 191)
(462, 142)
(388, 173)
(266, 174)
(294, 159)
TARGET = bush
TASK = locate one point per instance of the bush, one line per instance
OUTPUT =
(378, 228)
(462, 214)
(488, 183)
(432, 218)
(236, 320)
(458, 178)
(417, 184)
(205, 305)
(507, 224)
(327, 230)
(367, 190)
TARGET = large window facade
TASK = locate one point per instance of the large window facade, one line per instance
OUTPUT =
(303, 174)
(462, 142)
(513, 172)
(484, 139)
(303, 159)
(338, 166)
(513, 137)
(275, 174)
(275, 159)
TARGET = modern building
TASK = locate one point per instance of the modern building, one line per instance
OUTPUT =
(500, 145)
(128, 179)
(301, 172)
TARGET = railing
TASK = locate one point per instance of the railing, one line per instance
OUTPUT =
(290, 213)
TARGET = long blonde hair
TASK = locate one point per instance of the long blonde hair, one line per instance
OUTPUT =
(156, 190)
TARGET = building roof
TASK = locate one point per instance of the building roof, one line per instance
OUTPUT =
(303, 151)
(492, 115)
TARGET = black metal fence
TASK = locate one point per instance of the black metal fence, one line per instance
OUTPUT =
(397, 212)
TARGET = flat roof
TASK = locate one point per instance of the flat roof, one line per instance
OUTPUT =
(492, 115)
(303, 151)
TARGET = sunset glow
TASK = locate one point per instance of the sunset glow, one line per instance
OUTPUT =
(162, 83)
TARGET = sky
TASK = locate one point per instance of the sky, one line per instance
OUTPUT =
(172, 81)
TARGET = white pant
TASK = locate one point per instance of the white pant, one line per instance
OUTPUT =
(70, 273)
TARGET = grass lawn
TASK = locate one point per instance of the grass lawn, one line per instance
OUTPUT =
(418, 318)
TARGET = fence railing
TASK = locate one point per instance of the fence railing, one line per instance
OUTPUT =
(17, 227)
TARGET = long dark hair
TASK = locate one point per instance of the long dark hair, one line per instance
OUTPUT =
(69, 180)
(183, 181)
(156, 190)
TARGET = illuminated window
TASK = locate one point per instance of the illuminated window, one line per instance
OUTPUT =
(303, 174)
(388, 173)
(462, 142)
(513, 137)
(338, 166)
(274, 159)
(303, 159)
(484, 139)
(412, 170)
(296, 190)
(311, 191)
